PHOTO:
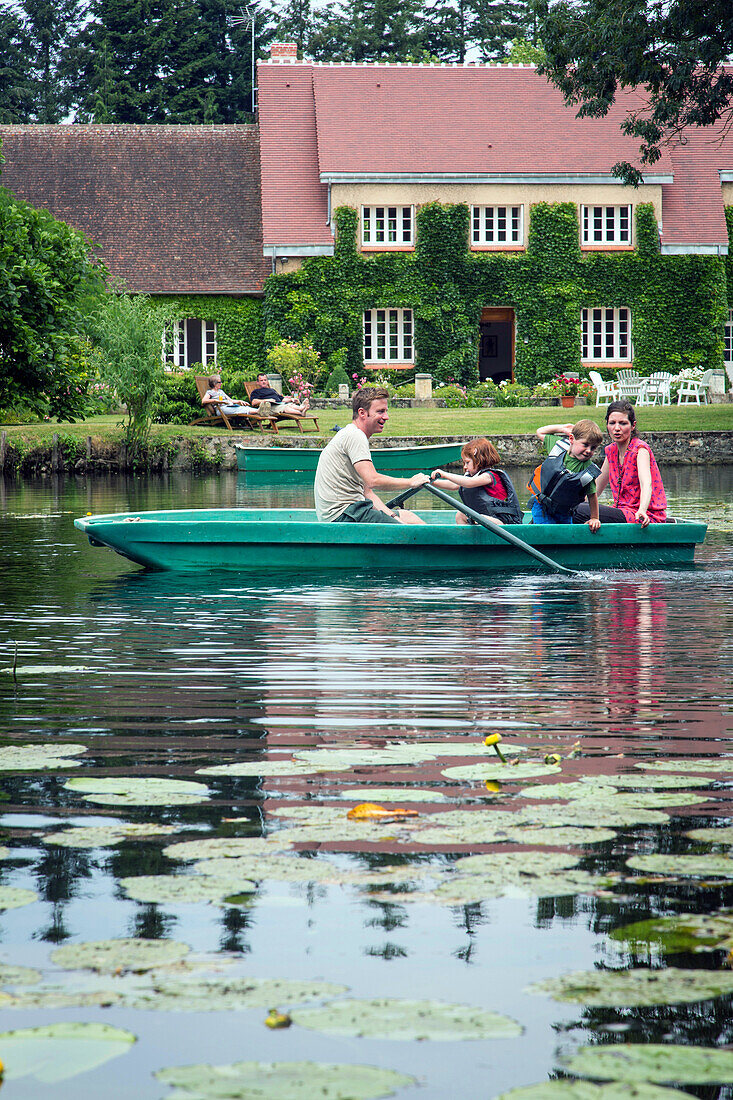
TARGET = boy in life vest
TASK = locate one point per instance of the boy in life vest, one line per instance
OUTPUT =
(567, 476)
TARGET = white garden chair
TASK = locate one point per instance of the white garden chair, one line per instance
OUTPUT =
(655, 389)
(628, 383)
(692, 389)
(606, 392)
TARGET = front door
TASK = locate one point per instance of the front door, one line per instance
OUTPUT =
(496, 344)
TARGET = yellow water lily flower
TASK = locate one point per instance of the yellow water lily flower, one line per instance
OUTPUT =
(492, 742)
(275, 1019)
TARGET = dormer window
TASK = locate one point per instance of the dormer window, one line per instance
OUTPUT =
(387, 226)
(606, 225)
(496, 225)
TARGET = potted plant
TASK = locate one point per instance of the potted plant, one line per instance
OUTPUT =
(568, 389)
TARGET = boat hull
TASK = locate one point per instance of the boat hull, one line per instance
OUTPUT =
(293, 539)
(386, 459)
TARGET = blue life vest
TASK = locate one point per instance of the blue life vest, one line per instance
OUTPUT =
(558, 490)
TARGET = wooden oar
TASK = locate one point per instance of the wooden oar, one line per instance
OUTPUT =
(397, 502)
(498, 529)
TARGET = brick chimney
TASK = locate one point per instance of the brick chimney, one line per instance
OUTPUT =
(284, 51)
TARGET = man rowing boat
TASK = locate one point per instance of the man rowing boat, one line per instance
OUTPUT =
(346, 478)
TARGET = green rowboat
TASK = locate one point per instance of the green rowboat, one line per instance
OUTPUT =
(293, 539)
(386, 459)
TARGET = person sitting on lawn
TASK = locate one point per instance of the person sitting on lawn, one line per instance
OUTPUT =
(215, 396)
(269, 400)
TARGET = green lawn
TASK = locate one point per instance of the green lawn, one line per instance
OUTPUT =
(460, 423)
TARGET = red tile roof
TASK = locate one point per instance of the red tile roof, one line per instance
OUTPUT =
(173, 209)
(294, 201)
(341, 122)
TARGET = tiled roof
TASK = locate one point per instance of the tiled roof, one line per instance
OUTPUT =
(172, 209)
(294, 201)
(322, 123)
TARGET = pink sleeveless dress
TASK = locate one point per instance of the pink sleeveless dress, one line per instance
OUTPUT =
(625, 485)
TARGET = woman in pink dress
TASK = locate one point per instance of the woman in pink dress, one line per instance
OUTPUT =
(631, 469)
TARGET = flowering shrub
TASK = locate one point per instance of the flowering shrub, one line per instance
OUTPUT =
(512, 395)
(568, 386)
(691, 374)
(484, 391)
(547, 389)
(408, 390)
(101, 398)
(587, 389)
(300, 387)
(289, 359)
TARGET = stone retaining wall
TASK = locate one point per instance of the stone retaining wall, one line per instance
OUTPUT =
(711, 448)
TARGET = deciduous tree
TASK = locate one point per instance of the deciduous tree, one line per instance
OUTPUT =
(675, 50)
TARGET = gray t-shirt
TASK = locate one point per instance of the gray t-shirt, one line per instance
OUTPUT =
(337, 484)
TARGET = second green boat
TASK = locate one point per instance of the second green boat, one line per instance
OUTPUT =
(388, 460)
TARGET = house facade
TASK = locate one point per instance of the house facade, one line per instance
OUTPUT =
(452, 219)
(461, 220)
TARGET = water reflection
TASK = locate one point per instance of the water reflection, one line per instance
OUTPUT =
(158, 677)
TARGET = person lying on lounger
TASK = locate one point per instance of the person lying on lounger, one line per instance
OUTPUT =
(215, 396)
(269, 400)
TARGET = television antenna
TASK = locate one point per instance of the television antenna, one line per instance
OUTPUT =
(247, 20)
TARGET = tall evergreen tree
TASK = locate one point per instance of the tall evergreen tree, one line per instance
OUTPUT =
(369, 30)
(17, 91)
(50, 24)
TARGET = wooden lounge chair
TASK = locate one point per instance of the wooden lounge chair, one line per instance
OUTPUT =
(214, 415)
(249, 386)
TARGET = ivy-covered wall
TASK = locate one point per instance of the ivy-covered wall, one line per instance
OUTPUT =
(239, 328)
(678, 303)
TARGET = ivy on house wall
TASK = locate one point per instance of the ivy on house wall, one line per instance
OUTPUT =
(677, 303)
(239, 333)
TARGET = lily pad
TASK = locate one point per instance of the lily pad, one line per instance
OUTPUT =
(513, 866)
(703, 764)
(18, 975)
(386, 1018)
(467, 889)
(504, 773)
(688, 932)
(57, 1052)
(181, 889)
(225, 847)
(630, 988)
(284, 1080)
(393, 794)
(268, 767)
(580, 812)
(197, 994)
(311, 814)
(704, 866)
(106, 836)
(112, 956)
(13, 897)
(34, 758)
(684, 1065)
(139, 791)
(658, 781)
(280, 868)
(721, 835)
(606, 795)
(565, 1089)
(44, 996)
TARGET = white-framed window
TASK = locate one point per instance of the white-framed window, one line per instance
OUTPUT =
(188, 341)
(388, 226)
(606, 334)
(388, 336)
(606, 224)
(497, 225)
(728, 340)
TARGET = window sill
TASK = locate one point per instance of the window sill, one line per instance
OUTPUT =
(387, 248)
(606, 248)
(390, 364)
(498, 248)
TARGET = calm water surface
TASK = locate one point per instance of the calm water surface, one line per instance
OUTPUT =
(159, 675)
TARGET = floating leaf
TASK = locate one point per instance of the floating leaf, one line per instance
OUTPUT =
(105, 836)
(34, 758)
(293, 869)
(513, 866)
(701, 764)
(606, 795)
(704, 866)
(395, 794)
(45, 996)
(585, 812)
(134, 791)
(659, 781)
(629, 988)
(13, 897)
(386, 1018)
(721, 835)
(686, 1065)
(268, 767)
(565, 1089)
(689, 932)
(18, 975)
(57, 1052)
(110, 956)
(368, 811)
(284, 1080)
(467, 889)
(181, 889)
(226, 847)
(197, 994)
(505, 773)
